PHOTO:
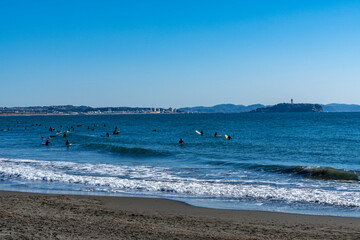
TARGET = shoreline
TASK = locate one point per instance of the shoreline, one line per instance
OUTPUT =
(82, 114)
(109, 217)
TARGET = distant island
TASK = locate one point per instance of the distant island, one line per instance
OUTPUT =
(291, 107)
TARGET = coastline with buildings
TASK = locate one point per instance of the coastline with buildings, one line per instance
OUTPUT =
(82, 110)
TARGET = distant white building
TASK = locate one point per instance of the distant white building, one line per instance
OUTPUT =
(155, 110)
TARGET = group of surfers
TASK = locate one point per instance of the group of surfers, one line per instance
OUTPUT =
(228, 137)
(115, 132)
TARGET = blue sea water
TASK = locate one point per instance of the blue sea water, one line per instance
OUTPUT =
(287, 162)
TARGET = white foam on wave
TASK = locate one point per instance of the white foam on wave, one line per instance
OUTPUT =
(156, 179)
(143, 172)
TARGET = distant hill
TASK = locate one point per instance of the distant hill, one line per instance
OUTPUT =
(289, 107)
(222, 108)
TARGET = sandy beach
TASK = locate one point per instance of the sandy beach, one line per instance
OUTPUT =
(41, 216)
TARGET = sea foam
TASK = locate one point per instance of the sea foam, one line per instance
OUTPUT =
(116, 178)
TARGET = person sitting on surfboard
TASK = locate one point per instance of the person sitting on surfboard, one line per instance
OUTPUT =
(181, 141)
(201, 132)
(67, 143)
(215, 135)
(229, 137)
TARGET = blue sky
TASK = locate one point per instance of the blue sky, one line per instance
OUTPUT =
(178, 53)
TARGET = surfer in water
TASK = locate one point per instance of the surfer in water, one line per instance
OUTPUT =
(229, 137)
(64, 135)
(47, 143)
(67, 143)
(107, 134)
(215, 135)
(201, 132)
(115, 131)
(181, 141)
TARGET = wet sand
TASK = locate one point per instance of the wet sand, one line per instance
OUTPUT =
(41, 216)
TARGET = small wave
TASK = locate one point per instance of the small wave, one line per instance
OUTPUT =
(327, 173)
(321, 173)
(125, 150)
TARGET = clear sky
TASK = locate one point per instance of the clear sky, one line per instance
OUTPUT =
(178, 53)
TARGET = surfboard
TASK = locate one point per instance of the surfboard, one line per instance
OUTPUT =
(219, 135)
(226, 136)
(198, 132)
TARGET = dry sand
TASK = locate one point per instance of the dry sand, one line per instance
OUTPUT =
(41, 216)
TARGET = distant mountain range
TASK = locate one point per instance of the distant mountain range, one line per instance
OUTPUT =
(336, 107)
(232, 108)
(222, 108)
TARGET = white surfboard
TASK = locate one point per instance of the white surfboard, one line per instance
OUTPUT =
(198, 132)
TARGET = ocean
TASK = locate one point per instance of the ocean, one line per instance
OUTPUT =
(305, 163)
